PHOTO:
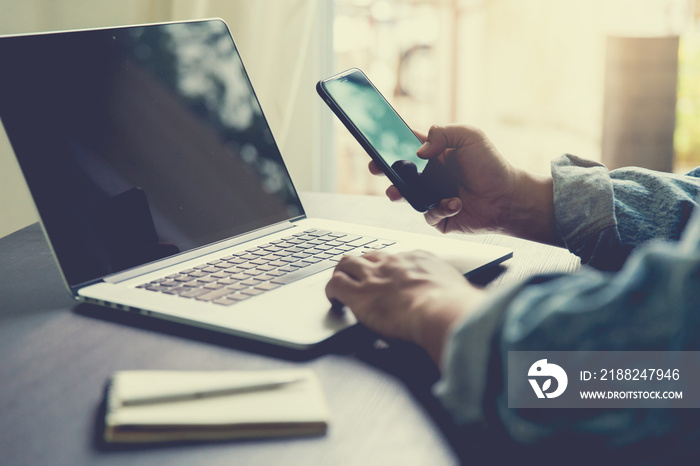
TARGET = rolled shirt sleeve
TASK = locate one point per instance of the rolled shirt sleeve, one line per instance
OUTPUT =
(607, 218)
(603, 215)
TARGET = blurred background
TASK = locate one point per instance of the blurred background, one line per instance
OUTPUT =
(611, 80)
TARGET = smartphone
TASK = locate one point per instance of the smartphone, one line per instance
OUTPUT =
(387, 139)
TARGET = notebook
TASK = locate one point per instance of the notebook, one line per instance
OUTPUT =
(161, 190)
(163, 411)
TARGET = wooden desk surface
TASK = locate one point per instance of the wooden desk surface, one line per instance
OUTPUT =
(55, 357)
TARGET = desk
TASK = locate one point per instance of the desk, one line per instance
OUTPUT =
(55, 357)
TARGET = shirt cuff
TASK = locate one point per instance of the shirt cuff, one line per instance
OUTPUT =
(583, 203)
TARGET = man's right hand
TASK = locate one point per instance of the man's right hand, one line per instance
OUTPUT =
(493, 194)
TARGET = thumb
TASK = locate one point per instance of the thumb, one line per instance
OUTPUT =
(441, 138)
(447, 208)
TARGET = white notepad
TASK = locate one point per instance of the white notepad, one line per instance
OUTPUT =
(294, 408)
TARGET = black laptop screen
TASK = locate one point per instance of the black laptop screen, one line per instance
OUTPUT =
(140, 143)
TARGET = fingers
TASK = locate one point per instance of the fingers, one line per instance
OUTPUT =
(354, 267)
(447, 208)
(441, 138)
(373, 256)
(435, 143)
(393, 194)
(340, 288)
(345, 284)
(374, 169)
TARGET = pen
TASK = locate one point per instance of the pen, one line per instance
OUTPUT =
(208, 393)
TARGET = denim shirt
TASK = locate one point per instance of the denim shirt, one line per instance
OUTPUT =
(639, 290)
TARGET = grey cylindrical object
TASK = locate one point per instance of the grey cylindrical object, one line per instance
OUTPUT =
(639, 110)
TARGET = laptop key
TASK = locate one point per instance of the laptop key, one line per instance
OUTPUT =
(300, 264)
(235, 260)
(236, 287)
(225, 301)
(207, 279)
(193, 293)
(211, 295)
(311, 260)
(185, 278)
(213, 286)
(348, 238)
(318, 232)
(157, 288)
(177, 290)
(298, 274)
(231, 299)
(245, 266)
(361, 241)
(267, 286)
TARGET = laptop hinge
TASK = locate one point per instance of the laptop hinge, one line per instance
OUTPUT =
(161, 264)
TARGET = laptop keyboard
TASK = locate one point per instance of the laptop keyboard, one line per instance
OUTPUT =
(251, 272)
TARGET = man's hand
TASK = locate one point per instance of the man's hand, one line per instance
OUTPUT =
(493, 196)
(411, 296)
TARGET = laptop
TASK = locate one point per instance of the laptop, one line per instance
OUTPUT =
(161, 190)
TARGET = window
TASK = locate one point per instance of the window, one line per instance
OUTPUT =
(531, 73)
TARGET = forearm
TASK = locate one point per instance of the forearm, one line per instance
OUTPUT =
(436, 324)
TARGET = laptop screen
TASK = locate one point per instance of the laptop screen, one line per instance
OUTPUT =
(139, 143)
